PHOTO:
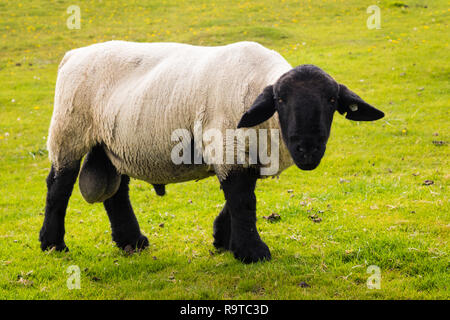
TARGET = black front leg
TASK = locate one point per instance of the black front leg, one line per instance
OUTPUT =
(245, 242)
(222, 229)
(59, 189)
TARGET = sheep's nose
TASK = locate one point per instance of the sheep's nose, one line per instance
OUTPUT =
(302, 153)
(301, 150)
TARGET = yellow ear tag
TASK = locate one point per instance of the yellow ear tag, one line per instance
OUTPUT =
(353, 107)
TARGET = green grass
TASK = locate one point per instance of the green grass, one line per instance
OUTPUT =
(368, 189)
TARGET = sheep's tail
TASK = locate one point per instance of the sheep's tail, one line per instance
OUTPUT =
(160, 189)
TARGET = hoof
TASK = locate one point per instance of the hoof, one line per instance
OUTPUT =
(47, 243)
(221, 243)
(138, 245)
(61, 247)
(251, 253)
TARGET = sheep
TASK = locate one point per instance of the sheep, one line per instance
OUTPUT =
(120, 102)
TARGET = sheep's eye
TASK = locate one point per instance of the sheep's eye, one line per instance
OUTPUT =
(333, 100)
(280, 100)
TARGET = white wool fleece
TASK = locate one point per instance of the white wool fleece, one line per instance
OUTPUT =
(130, 97)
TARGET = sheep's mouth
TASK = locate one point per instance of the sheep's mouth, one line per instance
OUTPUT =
(307, 166)
(310, 160)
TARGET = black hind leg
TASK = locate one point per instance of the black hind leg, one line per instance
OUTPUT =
(125, 227)
(60, 185)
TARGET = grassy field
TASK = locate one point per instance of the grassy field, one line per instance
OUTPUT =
(370, 190)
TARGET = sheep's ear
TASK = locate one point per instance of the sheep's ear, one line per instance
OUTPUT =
(355, 107)
(261, 110)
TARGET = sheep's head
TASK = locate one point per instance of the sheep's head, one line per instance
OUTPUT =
(306, 98)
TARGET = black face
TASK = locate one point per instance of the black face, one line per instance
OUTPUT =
(306, 98)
